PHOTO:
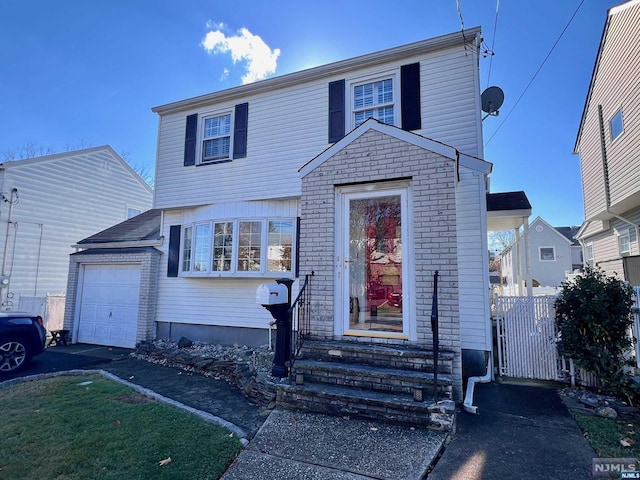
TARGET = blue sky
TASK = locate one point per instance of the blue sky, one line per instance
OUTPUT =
(87, 73)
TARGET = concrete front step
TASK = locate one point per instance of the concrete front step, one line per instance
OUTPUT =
(368, 377)
(389, 356)
(379, 406)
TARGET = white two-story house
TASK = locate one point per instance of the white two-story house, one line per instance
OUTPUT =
(608, 143)
(367, 173)
(553, 254)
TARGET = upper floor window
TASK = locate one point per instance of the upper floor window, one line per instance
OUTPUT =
(616, 125)
(624, 242)
(216, 138)
(374, 100)
(588, 254)
(547, 254)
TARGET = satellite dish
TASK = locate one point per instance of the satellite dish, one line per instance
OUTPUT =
(492, 99)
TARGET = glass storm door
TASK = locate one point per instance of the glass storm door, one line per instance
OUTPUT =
(373, 269)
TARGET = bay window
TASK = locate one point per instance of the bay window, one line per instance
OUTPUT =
(238, 247)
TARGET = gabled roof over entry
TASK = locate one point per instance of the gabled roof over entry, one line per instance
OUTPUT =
(440, 148)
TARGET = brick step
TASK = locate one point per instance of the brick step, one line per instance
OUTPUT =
(371, 378)
(377, 355)
(378, 406)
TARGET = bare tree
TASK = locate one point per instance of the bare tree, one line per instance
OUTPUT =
(501, 239)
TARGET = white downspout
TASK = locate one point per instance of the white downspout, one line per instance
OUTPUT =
(471, 384)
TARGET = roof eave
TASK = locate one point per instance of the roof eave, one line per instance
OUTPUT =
(331, 69)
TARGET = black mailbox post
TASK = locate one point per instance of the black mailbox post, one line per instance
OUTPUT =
(277, 299)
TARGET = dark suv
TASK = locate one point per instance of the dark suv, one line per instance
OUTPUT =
(22, 336)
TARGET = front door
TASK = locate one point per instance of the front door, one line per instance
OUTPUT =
(373, 262)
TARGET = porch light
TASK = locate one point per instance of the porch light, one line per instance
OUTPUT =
(418, 393)
(299, 377)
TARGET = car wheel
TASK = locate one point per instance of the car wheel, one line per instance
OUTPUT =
(14, 354)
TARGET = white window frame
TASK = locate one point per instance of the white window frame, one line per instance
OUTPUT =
(234, 271)
(588, 254)
(201, 136)
(624, 234)
(553, 249)
(614, 118)
(393, 75)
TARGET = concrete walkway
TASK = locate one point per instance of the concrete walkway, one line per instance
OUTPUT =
(305, 446)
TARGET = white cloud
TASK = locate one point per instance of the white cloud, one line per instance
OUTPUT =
(260, 60)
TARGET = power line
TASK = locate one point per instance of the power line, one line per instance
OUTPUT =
(537, 72)
(493, 41)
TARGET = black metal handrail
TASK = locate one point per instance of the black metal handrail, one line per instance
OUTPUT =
(436, 339)
(300, 319)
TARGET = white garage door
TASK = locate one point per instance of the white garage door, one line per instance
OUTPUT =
(109, 305)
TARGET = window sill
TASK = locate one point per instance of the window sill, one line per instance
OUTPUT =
(213, 162)
(268, 275)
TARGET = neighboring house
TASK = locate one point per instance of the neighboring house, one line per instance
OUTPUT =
(367, 172)
(48, 203)
(553, 254)
(608, 143)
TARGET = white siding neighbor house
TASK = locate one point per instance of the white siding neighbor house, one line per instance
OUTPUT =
(608, 143)
(366, 175)
(48, 203)
(553, 254)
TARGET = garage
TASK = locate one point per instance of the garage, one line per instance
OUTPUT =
(108, 307)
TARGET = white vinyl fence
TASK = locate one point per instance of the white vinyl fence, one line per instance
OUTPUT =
(527, 333)
(50, 308)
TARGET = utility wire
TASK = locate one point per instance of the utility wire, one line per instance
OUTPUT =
(464, 38)
(536, 74)
(493, 41)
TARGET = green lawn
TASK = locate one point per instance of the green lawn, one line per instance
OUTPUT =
(88, 427)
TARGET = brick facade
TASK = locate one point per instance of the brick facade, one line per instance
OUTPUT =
(377, 157)
(149, 260)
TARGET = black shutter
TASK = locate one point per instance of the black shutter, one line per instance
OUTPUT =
(173, 260)
(190, 139)
(410, 96)
(336, 110)
(240, 131)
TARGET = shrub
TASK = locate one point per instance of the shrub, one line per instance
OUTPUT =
(593, 314)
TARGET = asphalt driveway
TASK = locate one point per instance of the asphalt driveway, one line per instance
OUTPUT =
(69, 357)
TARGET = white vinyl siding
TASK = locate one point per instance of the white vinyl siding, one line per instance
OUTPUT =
(276, 150)
(217, 299)
(63, 199)
(614, 88)
(472, 266)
